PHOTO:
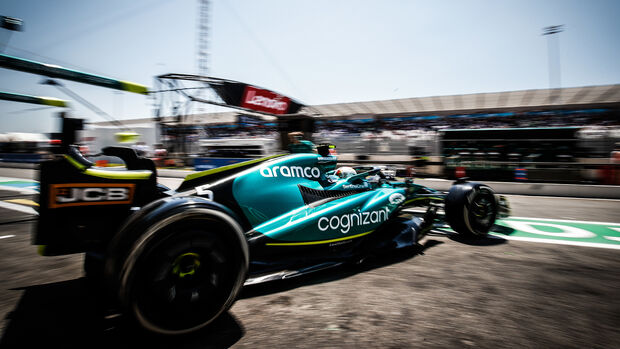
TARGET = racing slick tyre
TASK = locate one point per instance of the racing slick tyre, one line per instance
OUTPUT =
(471, 209)
(178, 273)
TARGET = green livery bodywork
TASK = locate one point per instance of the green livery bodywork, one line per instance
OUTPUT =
(272, 189)
(293, 200)
(346, 217)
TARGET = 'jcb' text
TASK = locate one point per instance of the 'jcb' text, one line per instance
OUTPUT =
(83, 194)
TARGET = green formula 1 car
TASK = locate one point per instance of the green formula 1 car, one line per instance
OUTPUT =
(176, 259)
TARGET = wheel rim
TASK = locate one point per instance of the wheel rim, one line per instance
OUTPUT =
(482, 211)
(184, 283)
(186, 264)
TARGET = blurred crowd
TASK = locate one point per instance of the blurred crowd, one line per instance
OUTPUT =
(228, 131)
(398, 125)
(595, 117)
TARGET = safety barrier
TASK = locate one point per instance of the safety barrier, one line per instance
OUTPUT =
(539, 189)
(22, 157)
(508, 188)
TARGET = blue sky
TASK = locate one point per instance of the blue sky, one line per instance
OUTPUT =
(316, 51)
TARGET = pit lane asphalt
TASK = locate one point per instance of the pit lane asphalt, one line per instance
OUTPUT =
(491, 293)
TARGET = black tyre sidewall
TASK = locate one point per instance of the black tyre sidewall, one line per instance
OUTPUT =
(457, 207)
(142, 241)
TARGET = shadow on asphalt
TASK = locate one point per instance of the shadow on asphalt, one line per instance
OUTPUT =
(488, 240)
(69, 314)
(485, 241)
(66, 315)
(337, 273)
(502, 229)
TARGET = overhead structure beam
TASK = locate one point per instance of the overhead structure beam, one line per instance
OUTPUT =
(55, 71)
(84, 102)
(50, 101)
(11, 23)
(224, 93)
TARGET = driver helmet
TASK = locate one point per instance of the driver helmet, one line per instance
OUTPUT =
(345, 172)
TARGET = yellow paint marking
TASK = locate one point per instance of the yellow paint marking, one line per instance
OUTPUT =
(317, 242)
(23, 202)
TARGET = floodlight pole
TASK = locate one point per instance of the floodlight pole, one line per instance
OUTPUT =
(553, 50)
(11, 24)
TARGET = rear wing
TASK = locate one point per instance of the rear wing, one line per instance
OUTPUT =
(81, 206)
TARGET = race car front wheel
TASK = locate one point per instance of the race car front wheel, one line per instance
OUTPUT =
(471, 209)
(183, 271)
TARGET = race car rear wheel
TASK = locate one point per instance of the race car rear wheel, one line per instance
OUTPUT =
(183, 271)
(471, 209)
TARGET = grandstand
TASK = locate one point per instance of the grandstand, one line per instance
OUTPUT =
(607, 96)
(575, 106)
(578, 106)
(402, 130)
(411, 125)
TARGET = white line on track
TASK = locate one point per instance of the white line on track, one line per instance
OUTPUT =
(613, 238)
(561, 220)
(556, 242)
(556, 197)
(18, 189)
(7, 236)
(19, 208)
(534, 218)
(10, 179)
